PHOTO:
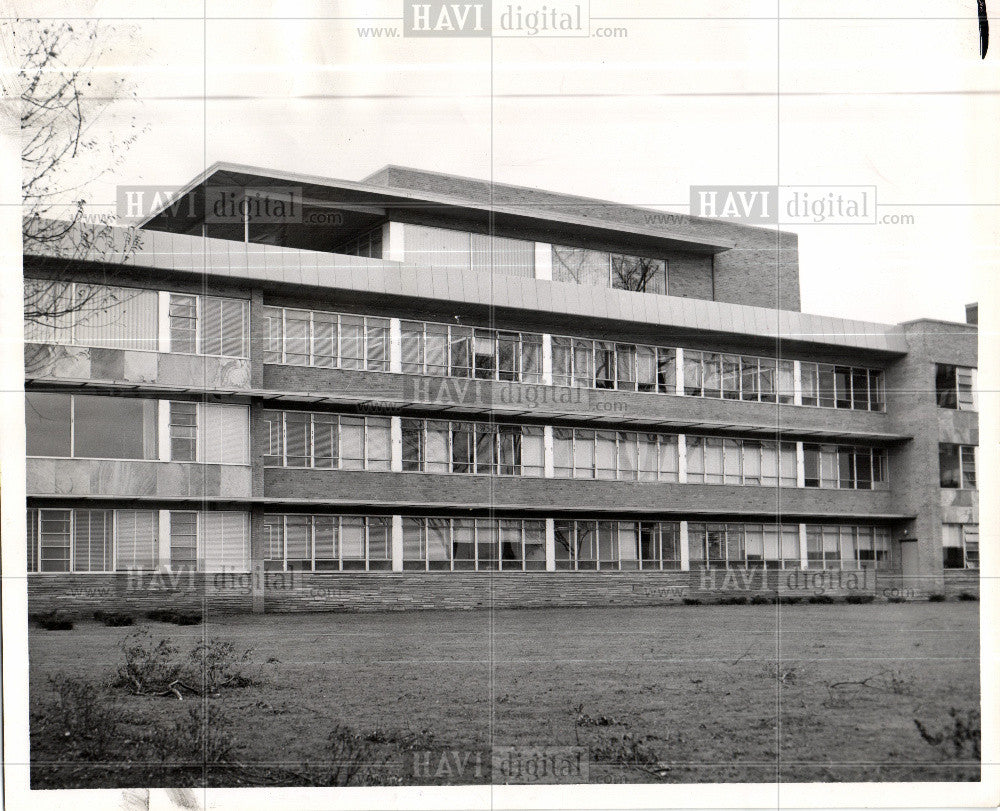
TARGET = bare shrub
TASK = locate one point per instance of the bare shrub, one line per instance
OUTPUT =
(961, 740)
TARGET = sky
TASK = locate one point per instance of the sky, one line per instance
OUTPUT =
(697, 93)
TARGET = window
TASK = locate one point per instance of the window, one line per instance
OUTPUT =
(958, 466)
(638, 273)
(769, 546)
(367, 245)
(326, 441)
(581, 266)
(136, 540)
(326, 340)
(91, 427)
(183, 541)
(961, 546)
(502, 255)
(209, 432)
(413, 445)
(297, 542)
(480, 544)
(955, 387)
(225, 541)
(48, 424)
(847, 547)
(209, 541)
(61, 540)
(208, 325)
(92, 540)
(90, 315)
(460, 250)
(693, 374)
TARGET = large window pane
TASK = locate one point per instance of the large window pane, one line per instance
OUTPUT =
(226, 434)
(114, 427)
(325, 341)
(48, 424)
(581, 266)
(378, 443)
(638, 273)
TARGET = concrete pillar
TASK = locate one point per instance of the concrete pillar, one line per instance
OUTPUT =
(163, 430)
(543, 261)
(395, 346)
(257, 559)
(550, 544)
(257, 338)
(393, 244)
(685, 552)
(397, 543)
(800, 465)
(163, 321)
(258, 447)
(549, 452)
(797, 382)
(803, 547)
(682, 466)
(163, 539)
(396, 444)
(679, 372)
(546, 359)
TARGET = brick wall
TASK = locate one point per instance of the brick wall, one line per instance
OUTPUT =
(394, 591)
(959, 581)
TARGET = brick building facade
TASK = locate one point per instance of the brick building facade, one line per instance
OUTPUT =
(425, 391)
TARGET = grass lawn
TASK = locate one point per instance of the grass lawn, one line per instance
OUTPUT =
(678, 694)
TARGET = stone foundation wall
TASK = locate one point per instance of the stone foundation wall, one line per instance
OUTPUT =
(400, 591)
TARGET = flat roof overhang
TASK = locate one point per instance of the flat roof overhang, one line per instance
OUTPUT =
(184, 214)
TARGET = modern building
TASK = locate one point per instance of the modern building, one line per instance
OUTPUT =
(420, 390)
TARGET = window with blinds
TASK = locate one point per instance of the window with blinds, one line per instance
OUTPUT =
(225, 541)
(90, 315)
(225, 434)
(65, 540)
(136, 538)
(209, 325)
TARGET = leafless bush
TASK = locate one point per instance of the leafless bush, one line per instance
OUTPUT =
(961, 740)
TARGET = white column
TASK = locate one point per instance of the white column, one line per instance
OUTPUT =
(803, 550)
(679, 372)
(685, 552)
(543, 261)
(800, 465)
(682, 465)
(797, 381)
(546, 359)
(548, 450)
(550, 544)
(396, 444)
(163, 430)
(163, 539)
(395, 345)
(163, 320)
(393, 245)
(397, 543)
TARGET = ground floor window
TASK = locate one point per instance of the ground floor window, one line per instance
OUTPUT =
(80, 540)
(960, 543)
(323, 543)
(847, 547)
(617, 545)
(473, 544)
(85, 540)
